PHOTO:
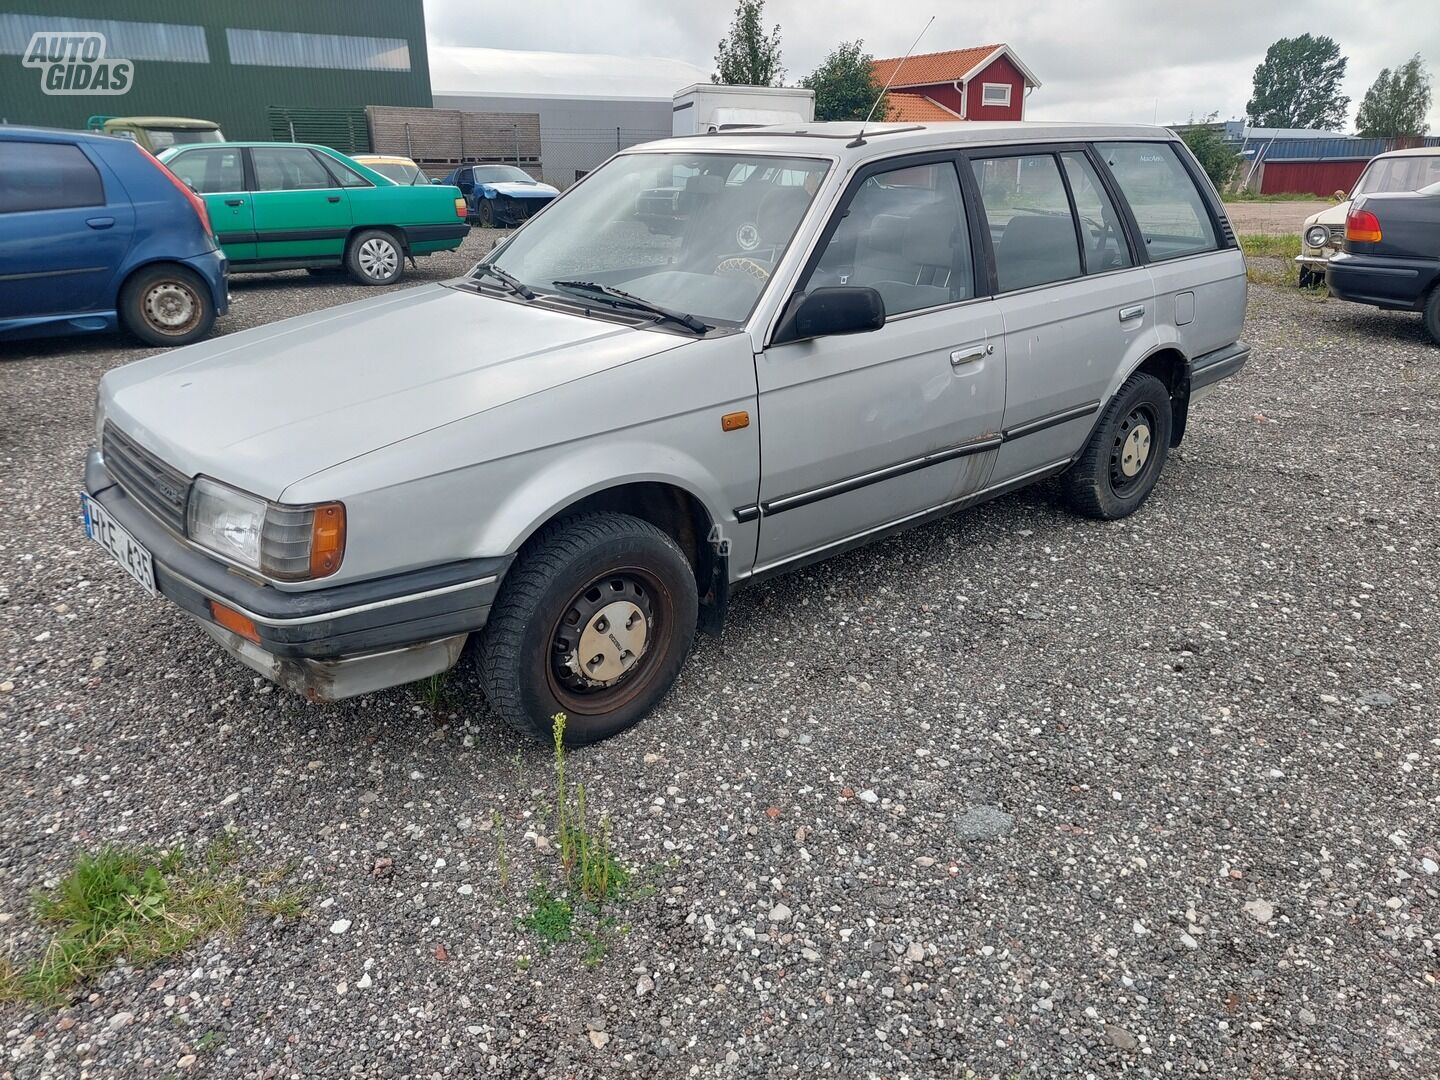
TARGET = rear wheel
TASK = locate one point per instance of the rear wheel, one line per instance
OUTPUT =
(1122, 461)
(1432, 315)
(374, 258)
(167, 305)
(594, 620)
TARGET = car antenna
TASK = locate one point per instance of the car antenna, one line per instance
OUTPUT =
(860, 138)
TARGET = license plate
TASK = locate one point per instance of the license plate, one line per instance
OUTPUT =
(116, 539)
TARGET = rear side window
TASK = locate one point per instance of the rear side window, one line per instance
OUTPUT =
(344, 175)
(46, 176)
(288, 168)
(1101, 234)
(904, 235)
(1031, 226)
(210, 171)
(1163, 197)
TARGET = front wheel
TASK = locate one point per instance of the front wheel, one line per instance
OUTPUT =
(486, 214)
(594, 620)
(1122, 461)
(374, 258)
(167, 305)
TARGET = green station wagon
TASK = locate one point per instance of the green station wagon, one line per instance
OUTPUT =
(284, 206)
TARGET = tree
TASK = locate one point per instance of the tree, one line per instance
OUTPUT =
(1396, 102)
(845, 85)
(1207, 142)
(1297, 85)
(746, 57)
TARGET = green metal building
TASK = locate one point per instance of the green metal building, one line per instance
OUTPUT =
(262, 69)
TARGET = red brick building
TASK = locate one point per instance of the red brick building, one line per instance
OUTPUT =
(984, 83)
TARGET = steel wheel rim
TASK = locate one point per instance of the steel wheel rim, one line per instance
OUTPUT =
(172, 307)
(1133, 451)
(587, 667)
(378, 258)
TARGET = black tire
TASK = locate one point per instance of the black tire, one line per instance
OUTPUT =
(567, 579)
(1432, 315)
(375, 257)
(485, 214)
(1133, 434)
(166, 304)
(1309, 278)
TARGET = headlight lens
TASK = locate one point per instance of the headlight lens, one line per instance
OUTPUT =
(289, 543)
(1317, 236)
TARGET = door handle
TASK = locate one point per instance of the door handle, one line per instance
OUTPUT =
(234, 202)
(100, 222)
(1134, 311)
(975, 352)
(332, 198)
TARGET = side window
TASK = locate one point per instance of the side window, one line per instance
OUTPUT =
(1162, 196)
(46, 176)
(343, 174)
(1032, 228)
(904, 234)
(210, 171)
(1100, 229)
(288, 168)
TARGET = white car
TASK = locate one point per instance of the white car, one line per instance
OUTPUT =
(1323, 233)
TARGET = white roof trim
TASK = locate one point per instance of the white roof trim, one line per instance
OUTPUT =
(1009, 54)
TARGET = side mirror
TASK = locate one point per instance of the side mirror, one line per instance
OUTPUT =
(436, 180)
(824, 312)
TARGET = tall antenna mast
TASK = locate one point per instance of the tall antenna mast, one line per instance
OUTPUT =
(860, 138)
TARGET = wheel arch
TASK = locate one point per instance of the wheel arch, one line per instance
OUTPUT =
(129, 273)
(397, 231)
(1171, 367)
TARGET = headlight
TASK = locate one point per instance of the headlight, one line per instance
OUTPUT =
(1317, 236)
(289, 543)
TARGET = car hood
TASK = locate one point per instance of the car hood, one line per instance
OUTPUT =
(267, 407)
(521, 190)
(1331, 215)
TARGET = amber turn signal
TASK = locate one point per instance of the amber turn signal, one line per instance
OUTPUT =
(235, 622)
(327, 539)
(460, 209)
(734, 421)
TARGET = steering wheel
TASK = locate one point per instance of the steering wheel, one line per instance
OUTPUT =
(740, 264)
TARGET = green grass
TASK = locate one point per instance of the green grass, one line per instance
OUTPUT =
(136, 905)
(434, 690)
(550, 916)
(1285, 246)
(1283, 196)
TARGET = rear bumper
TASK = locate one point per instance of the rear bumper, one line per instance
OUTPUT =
(1209, 368)
(324, 643)
(213, 266)
(1381, 280)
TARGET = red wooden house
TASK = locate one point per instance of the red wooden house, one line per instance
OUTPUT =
(984, 83)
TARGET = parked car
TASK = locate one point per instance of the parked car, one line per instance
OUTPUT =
(500, 195)
(283, 206)
(602, 431)
(95, 233)
(399, 169)
(156, 133)
(1392, 254)
(1323, 233)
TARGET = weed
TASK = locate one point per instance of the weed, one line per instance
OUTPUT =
(432, 691)
(595, 948)
(522, 963)
(550, 916)
(289, 904)
(1285, 246)
(586, 859)
(211, 1040)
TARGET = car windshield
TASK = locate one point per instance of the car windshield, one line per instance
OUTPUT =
(1408, 173)
(392, 170)
(501, 174)
(696, 233)
(163, 137)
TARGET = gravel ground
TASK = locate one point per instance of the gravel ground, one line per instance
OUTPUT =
(1014, 793)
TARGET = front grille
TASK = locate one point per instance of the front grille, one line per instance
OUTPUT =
(1337, 234)
(145, 478)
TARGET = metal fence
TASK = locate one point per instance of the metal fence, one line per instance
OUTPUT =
(570, 153)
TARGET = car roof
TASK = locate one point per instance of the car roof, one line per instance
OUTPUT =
(886, 139)
(388, 159)
(163, 121)
(1413, 151)
(56, 135)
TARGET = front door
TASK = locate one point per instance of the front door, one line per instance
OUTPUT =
(301, 212)
(217, 174)
(1077, 307)
(861, 432)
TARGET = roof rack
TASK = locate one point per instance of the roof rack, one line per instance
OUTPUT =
(811, 134)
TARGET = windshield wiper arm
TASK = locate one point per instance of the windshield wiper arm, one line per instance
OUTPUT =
(518, 287)
(621, 298)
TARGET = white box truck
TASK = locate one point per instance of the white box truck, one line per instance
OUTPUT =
(709, 107)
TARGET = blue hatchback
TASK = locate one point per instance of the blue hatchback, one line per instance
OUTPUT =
(95, 232)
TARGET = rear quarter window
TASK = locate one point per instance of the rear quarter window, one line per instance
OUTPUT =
(1163, 197)
(47, 176)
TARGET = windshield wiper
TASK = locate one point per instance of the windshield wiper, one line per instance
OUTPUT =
(621, 298)
(518, 287)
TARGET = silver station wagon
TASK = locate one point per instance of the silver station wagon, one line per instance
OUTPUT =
(572, 456)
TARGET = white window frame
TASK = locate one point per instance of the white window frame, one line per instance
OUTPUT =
(985, 89)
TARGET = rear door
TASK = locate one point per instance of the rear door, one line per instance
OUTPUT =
(64, 230)
(1076, 305)
(218, 175)
(301, 211)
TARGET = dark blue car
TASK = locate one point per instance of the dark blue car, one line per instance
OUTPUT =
(95, 232)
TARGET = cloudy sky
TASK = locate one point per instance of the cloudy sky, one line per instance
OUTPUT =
(1115, 60)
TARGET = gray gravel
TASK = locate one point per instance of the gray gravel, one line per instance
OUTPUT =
(1014, 793)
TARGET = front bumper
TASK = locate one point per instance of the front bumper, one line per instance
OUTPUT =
(326, 643)
(1384, 281)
